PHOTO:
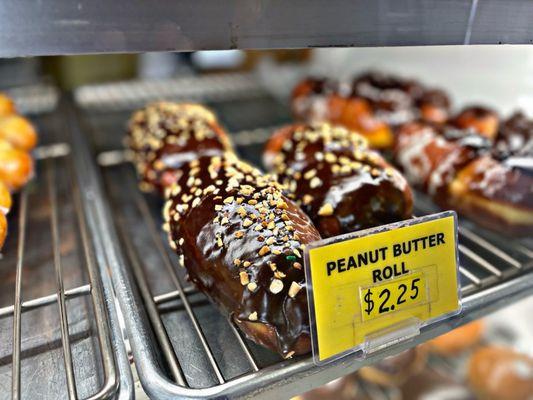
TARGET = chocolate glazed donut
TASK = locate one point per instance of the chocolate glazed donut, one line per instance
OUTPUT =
(164, 136)
(242, 243)
(462, 171)
(338, 181)
(373, 104)
(239, 237)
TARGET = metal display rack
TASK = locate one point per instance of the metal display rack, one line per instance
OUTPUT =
(61, 333)
(181, 345)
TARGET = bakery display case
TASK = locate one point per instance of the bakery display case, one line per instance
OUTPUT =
(108, 292)
(61, 335)
(200, 353)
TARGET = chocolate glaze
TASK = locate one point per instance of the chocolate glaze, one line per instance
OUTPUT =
(372, 103)
(164, 136)
(242, 241)
(446, 161)
(341, 184)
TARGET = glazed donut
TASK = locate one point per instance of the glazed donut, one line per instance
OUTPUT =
(18, 131)
(458, 340)
(242, 243)
(5, 199)
(16, 166)
(373, 104)
(460, 172)
(482, 120)
(3, 229)
(337, 180)
(5, 206)
(164, 136)
(395, 370)
(7, 106)
(496, 373)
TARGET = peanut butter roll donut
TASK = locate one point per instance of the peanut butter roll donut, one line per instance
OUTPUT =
(337, 180)
(242, 243)
(164, 136)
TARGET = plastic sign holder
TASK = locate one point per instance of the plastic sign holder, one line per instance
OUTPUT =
(371, 289)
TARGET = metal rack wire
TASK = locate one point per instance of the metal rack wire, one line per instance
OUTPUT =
(181, 344)
(58, 195)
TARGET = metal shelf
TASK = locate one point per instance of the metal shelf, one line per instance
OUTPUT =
(181, 345)
(57, 316)
(99, 26)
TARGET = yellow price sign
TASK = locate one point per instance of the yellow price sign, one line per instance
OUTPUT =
(368, 282)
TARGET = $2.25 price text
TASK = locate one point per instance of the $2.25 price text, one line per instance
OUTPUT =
(392, 296)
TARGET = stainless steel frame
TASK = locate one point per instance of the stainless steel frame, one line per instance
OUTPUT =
(99, 26)
(182, 347)
(92, 361)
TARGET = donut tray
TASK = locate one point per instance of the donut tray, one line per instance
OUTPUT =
(181, 345)
(60, 335)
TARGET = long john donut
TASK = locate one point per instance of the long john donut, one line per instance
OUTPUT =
(461, 171)
(337, 180)
(240, 237)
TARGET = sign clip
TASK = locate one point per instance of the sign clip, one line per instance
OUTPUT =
(391, 335)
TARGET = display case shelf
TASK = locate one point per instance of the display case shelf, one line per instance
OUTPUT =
(182, 346)
(58, 321)
(30, 28)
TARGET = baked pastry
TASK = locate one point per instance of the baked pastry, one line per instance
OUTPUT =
(242, 243)
(337, 180)
(458, 340)
(482, 120)
(395, 370)
(372, 104)
(5, 199)
(496, 373)
(7, 106)
(3, 229)
(164, 136)
(16, 166)
(5, 206)
(18, 131)
(435, 383)
(460, 171)
(515, 137)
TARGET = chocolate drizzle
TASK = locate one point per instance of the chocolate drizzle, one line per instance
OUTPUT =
(462, 170)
